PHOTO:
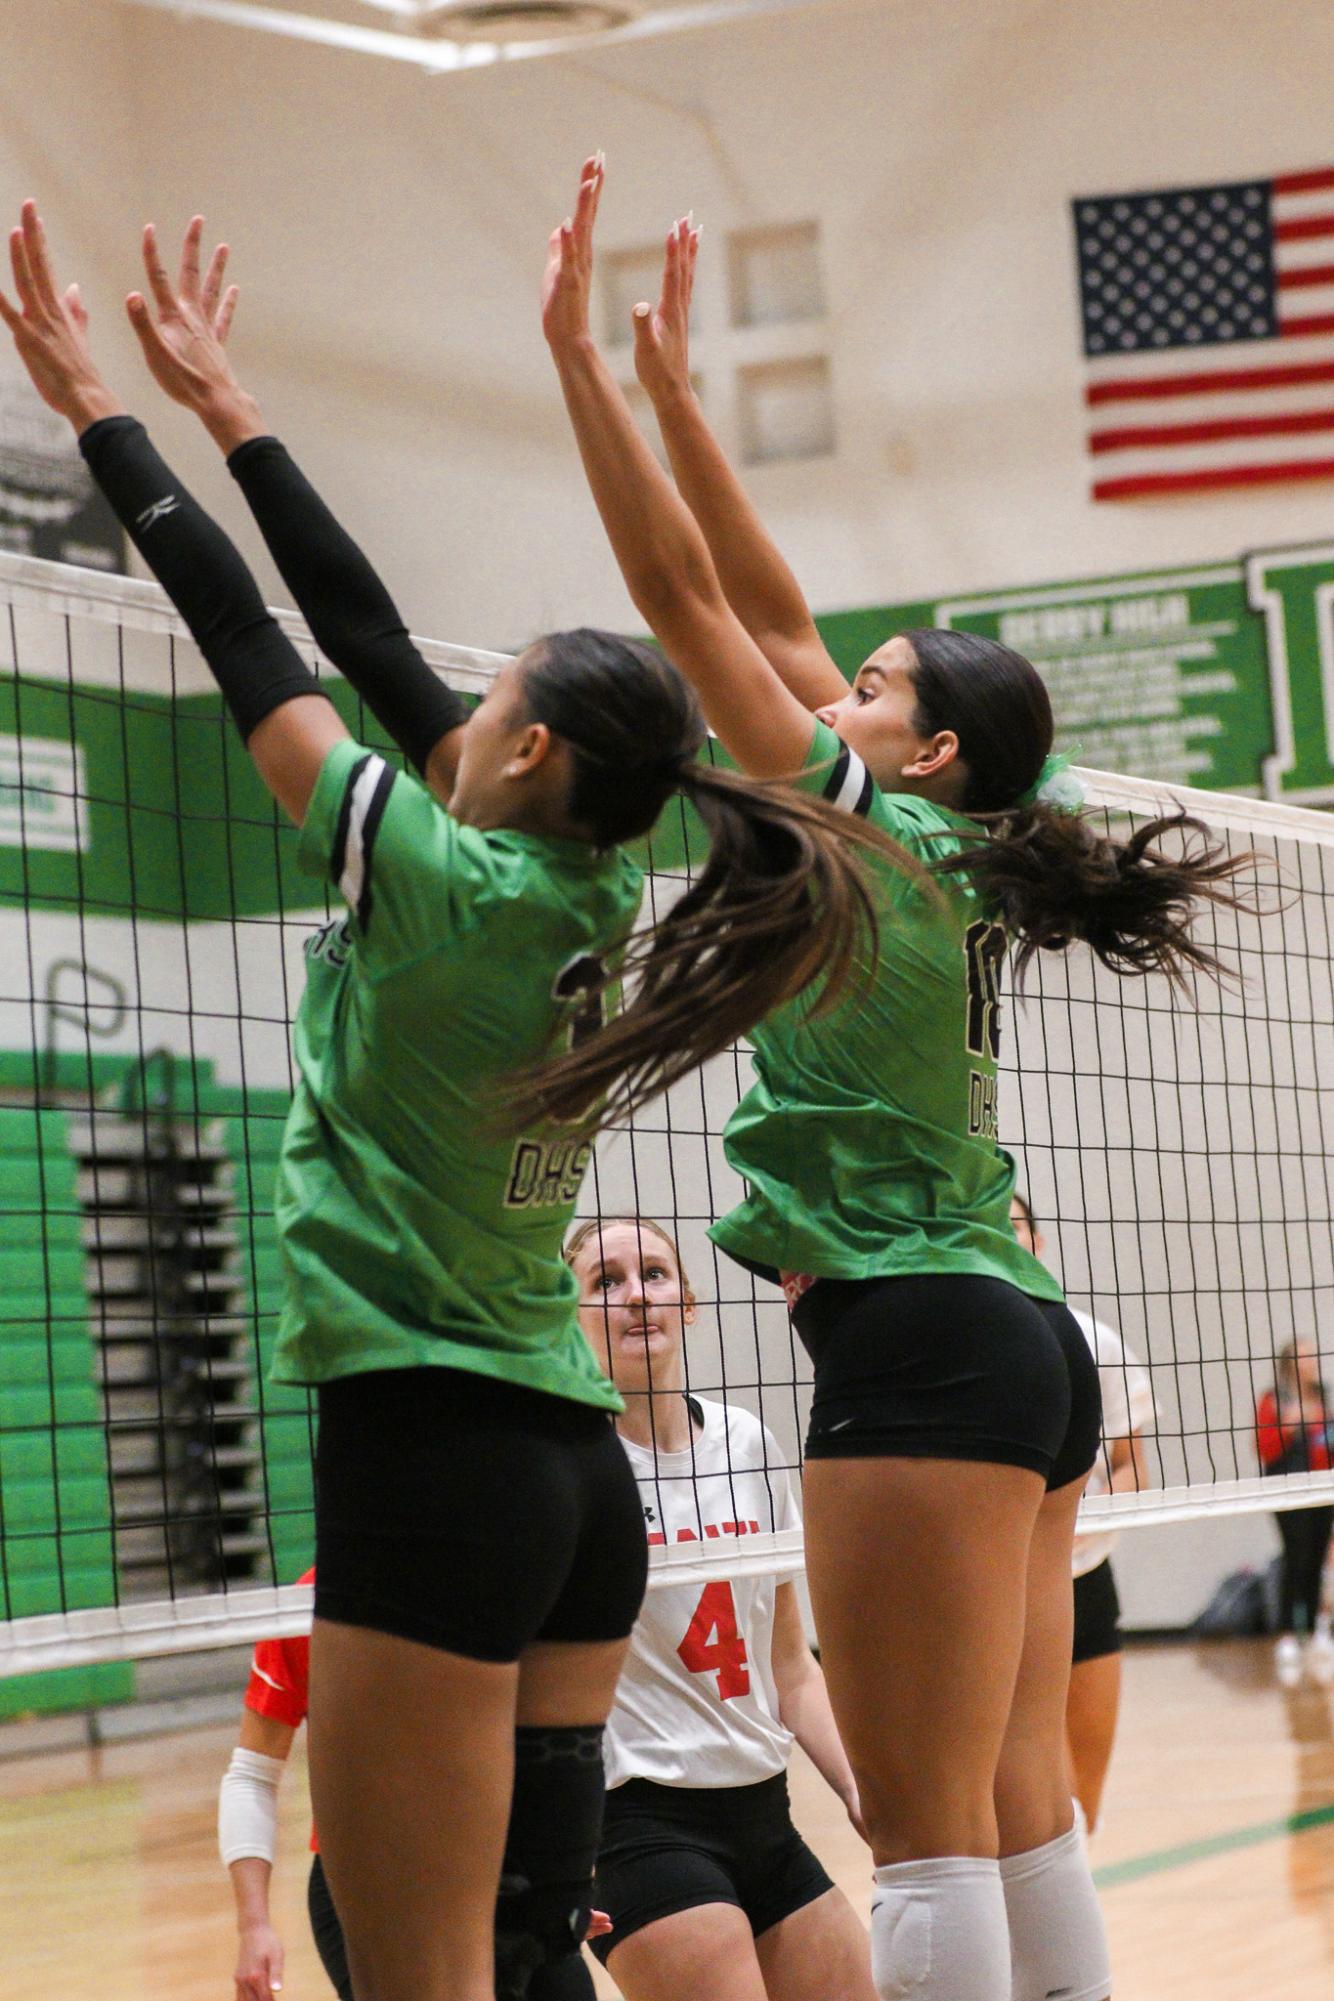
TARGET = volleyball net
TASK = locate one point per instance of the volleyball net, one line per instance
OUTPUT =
(155, 1485)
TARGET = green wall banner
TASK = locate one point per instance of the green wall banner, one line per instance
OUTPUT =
(1220, 676)
(43, 786)
(118, 802)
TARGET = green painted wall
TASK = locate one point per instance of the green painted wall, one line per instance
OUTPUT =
(55, 1507)
(55, 1510)
(178, 823)
(1218, 675)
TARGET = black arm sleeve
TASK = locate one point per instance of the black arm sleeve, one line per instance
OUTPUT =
(355, 622)
(201, 570)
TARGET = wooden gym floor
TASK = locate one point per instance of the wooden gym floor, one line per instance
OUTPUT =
(1216, 1853)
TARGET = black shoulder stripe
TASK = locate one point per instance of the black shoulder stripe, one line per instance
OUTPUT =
(371, 826)
(338, 858)
(837, 773)
(849, 784)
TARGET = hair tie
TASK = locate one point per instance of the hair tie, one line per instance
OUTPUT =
(665, 770)
(1056, 786)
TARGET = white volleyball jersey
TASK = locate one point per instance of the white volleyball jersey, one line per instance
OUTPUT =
(696, 1704)
(1127, 1406)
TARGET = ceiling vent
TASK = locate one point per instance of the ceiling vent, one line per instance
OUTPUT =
(500, 21)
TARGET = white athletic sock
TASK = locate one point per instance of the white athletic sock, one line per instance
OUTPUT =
(1058, 1948)
(939, 1931)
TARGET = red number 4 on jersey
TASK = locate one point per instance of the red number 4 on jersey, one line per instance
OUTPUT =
(713, 1643)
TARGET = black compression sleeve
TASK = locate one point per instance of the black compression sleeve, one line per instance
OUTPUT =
(201, 570)
(355, 622)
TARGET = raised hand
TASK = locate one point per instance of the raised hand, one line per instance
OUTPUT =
(50, 330)
(568, 278)
(185, 347)
(662, 334)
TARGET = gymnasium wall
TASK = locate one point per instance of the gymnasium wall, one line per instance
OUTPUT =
(389, 228)
(389, 231)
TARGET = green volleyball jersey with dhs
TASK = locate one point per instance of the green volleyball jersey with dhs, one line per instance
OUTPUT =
(868, 1140)
(411, 1233)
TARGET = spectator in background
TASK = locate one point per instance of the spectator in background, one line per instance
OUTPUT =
(1293, 1435)
(1095, 1674)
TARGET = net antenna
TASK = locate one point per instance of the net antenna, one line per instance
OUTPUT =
(155, 1485)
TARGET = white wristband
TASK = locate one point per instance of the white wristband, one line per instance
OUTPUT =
(248, 1806)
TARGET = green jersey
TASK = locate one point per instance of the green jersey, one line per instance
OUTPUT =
(411, 1231)
(868, 1141)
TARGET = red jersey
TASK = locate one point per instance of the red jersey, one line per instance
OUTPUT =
(1274, 1439)
(279, 1684)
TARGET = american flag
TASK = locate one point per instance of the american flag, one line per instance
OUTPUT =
(1208, 318)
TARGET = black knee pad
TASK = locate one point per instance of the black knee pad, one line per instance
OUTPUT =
(546, 1886)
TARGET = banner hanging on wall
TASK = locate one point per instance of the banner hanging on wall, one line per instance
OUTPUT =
(1218, 675)
(48, 504)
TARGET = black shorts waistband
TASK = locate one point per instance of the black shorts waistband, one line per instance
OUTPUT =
(720, 1802)
(466, 1395)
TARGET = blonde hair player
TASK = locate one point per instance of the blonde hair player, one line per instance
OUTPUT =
(955, 1411)
(709, 1888)
(1094, 1700)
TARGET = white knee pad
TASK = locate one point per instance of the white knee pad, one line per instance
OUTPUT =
(939, 1931)
(1058, 1948)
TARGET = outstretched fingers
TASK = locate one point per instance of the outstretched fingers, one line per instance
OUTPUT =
(23, 278)
(678, 272)
(689, 252)
(158, 282)
(647, 327)
(150, 338)
(38, 258)
(671, 274)
(213, 277)
(222, 325)
(188, 286)
(586, 205)
(566, 279)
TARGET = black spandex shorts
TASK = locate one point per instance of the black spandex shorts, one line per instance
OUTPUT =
(672, 1848)
(946, 1367)
(1097, 1614)
(327, 1932)
(473, 1515)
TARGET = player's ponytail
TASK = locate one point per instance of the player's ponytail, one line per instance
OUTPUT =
(780, 903)
(1051, 873)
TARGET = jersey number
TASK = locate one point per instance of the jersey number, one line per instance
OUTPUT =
(984, 949)
(713, 1642)
(579, 986)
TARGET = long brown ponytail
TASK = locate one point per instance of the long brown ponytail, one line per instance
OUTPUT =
(782, 901)
(1055, 877)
